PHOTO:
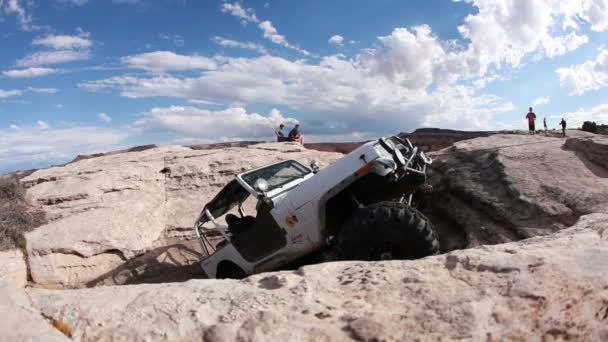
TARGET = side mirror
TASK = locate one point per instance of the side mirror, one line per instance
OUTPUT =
(314, 165)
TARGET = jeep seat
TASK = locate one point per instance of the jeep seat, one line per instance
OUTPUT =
(237, 225)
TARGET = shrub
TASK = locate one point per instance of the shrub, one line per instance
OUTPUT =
(590, 126)
(17, 216)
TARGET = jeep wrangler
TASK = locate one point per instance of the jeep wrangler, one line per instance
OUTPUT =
(361, 207)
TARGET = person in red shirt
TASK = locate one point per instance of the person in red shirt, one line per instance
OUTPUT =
(531, 118)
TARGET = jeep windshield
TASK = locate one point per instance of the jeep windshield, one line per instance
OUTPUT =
(277, 175)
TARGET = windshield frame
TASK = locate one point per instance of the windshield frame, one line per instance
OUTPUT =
(279, 187)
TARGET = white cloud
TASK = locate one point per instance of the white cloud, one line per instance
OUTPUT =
(16, 7)
(588, 76)
(241, 45)
(42, 125)
(201, 102)
(128, 2)
(336, 40)
(200, 123)
(271, 33)
(43, 90)
(9, 93)
(504, 33)
(236, 10)
(177, 39)
(53, 57)
(160, 61)
(359, 98)
(598, 114)
(20, 92)
(407, 57)
(73, 2)
(35, 145)
(64, 42)
(104, 117)
(540, 101)
(268, 30)
(29, 72)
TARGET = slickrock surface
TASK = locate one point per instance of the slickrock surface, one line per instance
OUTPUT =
(20, 321)
(127, 217)
(545, 288)
(12, 268)
(531, 185)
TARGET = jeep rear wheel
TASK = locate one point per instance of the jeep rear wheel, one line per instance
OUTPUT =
(386, 230)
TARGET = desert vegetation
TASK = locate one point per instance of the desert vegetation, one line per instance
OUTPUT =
(17, 216)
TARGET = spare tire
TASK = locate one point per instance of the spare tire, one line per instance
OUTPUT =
(384, 231)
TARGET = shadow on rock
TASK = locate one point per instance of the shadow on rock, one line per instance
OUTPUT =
(173, 263)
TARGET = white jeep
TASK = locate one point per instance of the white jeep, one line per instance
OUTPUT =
(358, 208)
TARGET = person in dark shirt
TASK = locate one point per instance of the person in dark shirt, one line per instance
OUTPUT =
(294, 135)
(563, 124)
(279, 133)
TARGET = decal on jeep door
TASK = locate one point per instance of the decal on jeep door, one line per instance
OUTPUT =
(291, 220)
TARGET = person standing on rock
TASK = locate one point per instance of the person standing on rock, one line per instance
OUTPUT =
(531, 119)
(279, 133)
(563, 124)
(545, 124)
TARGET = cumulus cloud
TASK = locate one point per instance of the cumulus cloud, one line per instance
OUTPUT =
(597, 114)
(42, 125)
(241, 45)
(336, 40)
(40, 144)
(356, 96)
(161, 61)
(52, 57)
(29, 72)
(409, 78)
(192, 122)
(588, 76)
(540, 101)
(103, 117)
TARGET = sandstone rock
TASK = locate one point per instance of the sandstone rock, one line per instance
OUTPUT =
(12, 268)
(21, 322)
(545, 288)
(127, 217)
(532, 185)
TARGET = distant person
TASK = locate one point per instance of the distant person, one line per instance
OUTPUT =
(279, 133)
(563, 124)
(531, 119)
(294, 135)
(545, 124)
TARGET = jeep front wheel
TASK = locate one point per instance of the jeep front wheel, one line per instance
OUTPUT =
(384, 231)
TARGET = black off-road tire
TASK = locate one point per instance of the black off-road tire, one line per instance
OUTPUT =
(386, 230)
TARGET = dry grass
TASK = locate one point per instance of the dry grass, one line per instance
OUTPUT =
(17, 216)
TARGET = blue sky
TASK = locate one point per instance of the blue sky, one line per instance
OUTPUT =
(84, 76)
